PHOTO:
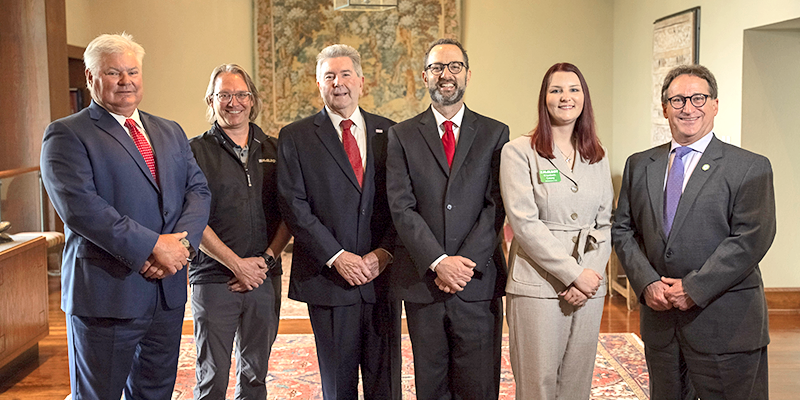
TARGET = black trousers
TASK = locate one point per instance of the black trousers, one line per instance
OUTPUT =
(362, 335)
(456, 346)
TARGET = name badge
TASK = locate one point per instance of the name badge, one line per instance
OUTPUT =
(549, 175)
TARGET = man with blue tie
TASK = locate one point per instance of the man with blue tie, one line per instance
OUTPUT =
(134, 205)
(695, 217)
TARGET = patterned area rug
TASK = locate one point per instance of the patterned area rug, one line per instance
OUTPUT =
(619, 371)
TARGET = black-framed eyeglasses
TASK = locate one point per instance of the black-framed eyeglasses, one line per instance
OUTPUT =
(698, 100)
(454, 67)
(241, 97)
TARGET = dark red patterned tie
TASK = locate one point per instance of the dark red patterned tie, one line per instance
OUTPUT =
(351, 147)
(143, 146)
(449, 142)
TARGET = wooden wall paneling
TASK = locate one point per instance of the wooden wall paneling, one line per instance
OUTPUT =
(26, 95)
(783, 300)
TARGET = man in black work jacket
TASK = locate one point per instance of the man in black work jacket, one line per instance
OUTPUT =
(236, 277)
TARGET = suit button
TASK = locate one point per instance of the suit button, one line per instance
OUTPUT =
(449, 206)
(574, 239)
(574, 189)
(363, 212)
(574, 216)
(669, 253)
(166, 213)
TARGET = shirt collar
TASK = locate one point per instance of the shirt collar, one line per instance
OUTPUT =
(698, 146)
(356, 117)
(456, 118)
(135, 116)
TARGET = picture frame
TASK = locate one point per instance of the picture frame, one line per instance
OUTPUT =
(676, 41)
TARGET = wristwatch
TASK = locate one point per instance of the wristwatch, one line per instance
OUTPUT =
(270, 260)
(189, 247)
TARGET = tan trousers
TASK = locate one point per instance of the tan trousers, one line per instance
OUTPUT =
(553, 346)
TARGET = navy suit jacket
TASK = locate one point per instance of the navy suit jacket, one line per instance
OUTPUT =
(327, 211)
(113, 211)
(441, 210)
(723, 227)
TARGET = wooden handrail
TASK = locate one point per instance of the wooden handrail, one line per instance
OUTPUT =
(19, 171)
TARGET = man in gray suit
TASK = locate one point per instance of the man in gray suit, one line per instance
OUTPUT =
(695, 217)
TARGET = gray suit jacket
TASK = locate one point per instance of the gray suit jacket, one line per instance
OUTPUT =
(441, 210)
(724, 225)
(560, 228)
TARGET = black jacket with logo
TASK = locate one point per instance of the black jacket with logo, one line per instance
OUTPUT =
(244, 208)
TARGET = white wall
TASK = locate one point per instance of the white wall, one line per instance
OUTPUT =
(722, 23)
(184, 41)
(770, 120)
(511, 45)
(722, 27)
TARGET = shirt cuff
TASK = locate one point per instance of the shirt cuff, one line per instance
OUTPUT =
(391, 257)
(437, 261)
(335, 256)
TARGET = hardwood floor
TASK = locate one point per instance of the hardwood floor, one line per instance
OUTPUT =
(46, 377)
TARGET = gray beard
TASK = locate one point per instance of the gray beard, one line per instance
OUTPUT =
(438, 98)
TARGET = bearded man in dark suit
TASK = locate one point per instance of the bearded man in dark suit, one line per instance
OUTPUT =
(332, 189)
(442, 182)
(695, 217)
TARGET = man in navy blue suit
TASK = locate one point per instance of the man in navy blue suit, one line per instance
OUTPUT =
(134, 205)
(332, 188)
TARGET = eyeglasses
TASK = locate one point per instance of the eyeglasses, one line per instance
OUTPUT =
(678, 102)
(241, 97)
(454, 67)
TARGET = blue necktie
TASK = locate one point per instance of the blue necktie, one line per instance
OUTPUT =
(672, 193)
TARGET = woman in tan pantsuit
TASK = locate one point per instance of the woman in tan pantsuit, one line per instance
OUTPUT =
(557, 192)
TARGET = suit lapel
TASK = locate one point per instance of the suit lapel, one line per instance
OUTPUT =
(466, 135)
(330, 139)
(157, 143)
(430, 132)
(107, 123)
(697, 180)
(369, 168)
(656, 171)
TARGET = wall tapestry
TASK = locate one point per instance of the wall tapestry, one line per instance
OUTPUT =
(392, 43)
(676, 41)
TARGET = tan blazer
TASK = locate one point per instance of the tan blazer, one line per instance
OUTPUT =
(560, 228)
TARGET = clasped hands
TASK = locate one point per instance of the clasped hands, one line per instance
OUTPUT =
(169, 256)
(582, 288)
(453, 273)
(666, 294)
(357, 270)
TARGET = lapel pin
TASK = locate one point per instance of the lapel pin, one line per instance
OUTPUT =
(706, 167)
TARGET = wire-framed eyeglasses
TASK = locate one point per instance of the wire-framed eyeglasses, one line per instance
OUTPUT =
(241, 97)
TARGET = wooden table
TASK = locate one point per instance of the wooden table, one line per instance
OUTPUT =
(23, 296)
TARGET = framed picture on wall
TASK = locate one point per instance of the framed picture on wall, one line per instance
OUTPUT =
(676, 41)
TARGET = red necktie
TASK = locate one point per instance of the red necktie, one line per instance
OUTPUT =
(351, 147)
(143, 146)
(449, 142)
